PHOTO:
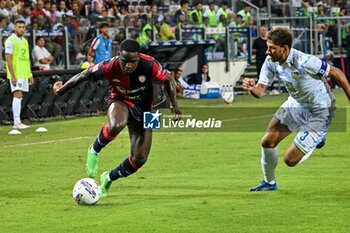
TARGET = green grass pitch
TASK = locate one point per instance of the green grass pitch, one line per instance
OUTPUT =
(192, 182)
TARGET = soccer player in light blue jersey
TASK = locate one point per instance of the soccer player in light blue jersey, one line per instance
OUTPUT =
(308, 109)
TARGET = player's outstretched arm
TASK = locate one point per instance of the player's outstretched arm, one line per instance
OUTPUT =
(341, 78)
(257, 90)
(171, 90)
(60, 89)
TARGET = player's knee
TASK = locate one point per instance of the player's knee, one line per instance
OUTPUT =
(139, 160)
(290, 161)
(115, 128)
(268, 142)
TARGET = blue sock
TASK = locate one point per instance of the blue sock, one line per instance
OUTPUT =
(126, 168)
(102, 139)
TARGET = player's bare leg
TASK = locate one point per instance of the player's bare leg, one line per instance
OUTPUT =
(293, 155)
(117, 120)
(141, 141)
(275, 133)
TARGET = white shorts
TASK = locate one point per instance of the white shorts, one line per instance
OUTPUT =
(22, 85)
(312, 127)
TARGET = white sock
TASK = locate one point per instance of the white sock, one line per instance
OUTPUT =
(92, 150)
(16, 110)
(305, 157)
(269, 159)
(108, 178)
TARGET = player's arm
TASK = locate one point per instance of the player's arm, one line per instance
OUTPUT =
(257, 90)
(171, 90)
(91, 52)
(60, 89)
(341, 78)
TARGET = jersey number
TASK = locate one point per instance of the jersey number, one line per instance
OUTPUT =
(302, 138)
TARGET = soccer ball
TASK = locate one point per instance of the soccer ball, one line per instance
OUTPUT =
(228, 97)
(86, 191)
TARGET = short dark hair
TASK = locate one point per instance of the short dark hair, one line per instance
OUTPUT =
(183, 2)
(104, 25)
(281, 36)
(131, 46)
(20, 21)
(38, 38)
(224, 3)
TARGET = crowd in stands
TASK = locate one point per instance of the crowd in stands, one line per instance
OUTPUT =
(150, 20)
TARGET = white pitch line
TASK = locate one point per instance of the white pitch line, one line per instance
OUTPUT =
(47, 142)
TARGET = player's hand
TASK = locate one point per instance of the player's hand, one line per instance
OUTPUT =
(248, 84)
(57, 86)
(13, 80)
(177, 113)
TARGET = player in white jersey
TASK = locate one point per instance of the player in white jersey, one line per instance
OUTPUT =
(308, 109)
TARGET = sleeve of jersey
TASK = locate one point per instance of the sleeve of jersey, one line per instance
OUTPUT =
(9, 46)
(96, 71)
(95, 43)
(267, 73)
(158, 72)
(316, 67)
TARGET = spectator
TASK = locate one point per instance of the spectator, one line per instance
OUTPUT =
(201, 77)
(123, 4)
(47, 8)
(3, 9)
(182, 23)
(182, 11)
(111, 7)
(320, 13)
(245, 13)
(253, 28)
(101, 47)
(211, 14)
(97, 7)
(224, 10)
(54, 15)
(260, 48)
(38, 10)
(89, 61)
(26, 13)
(196, 16)
(18, 70)
(41, 57)
(146, 36)
(180, 84)
(122, 13)
(3, 22)
(155, 14)
(166, 32)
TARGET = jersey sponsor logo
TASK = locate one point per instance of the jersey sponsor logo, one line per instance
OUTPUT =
(151, 120)
(295, 75)
(142, 78)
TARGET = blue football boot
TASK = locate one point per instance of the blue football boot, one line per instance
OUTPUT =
(264, 186)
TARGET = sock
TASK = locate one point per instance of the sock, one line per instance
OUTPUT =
(108, 177)
(269, 159)
(102, 140)
(126, 168)
(305, 157)
(16, 110)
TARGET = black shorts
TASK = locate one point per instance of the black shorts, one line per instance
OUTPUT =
(135, 110)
